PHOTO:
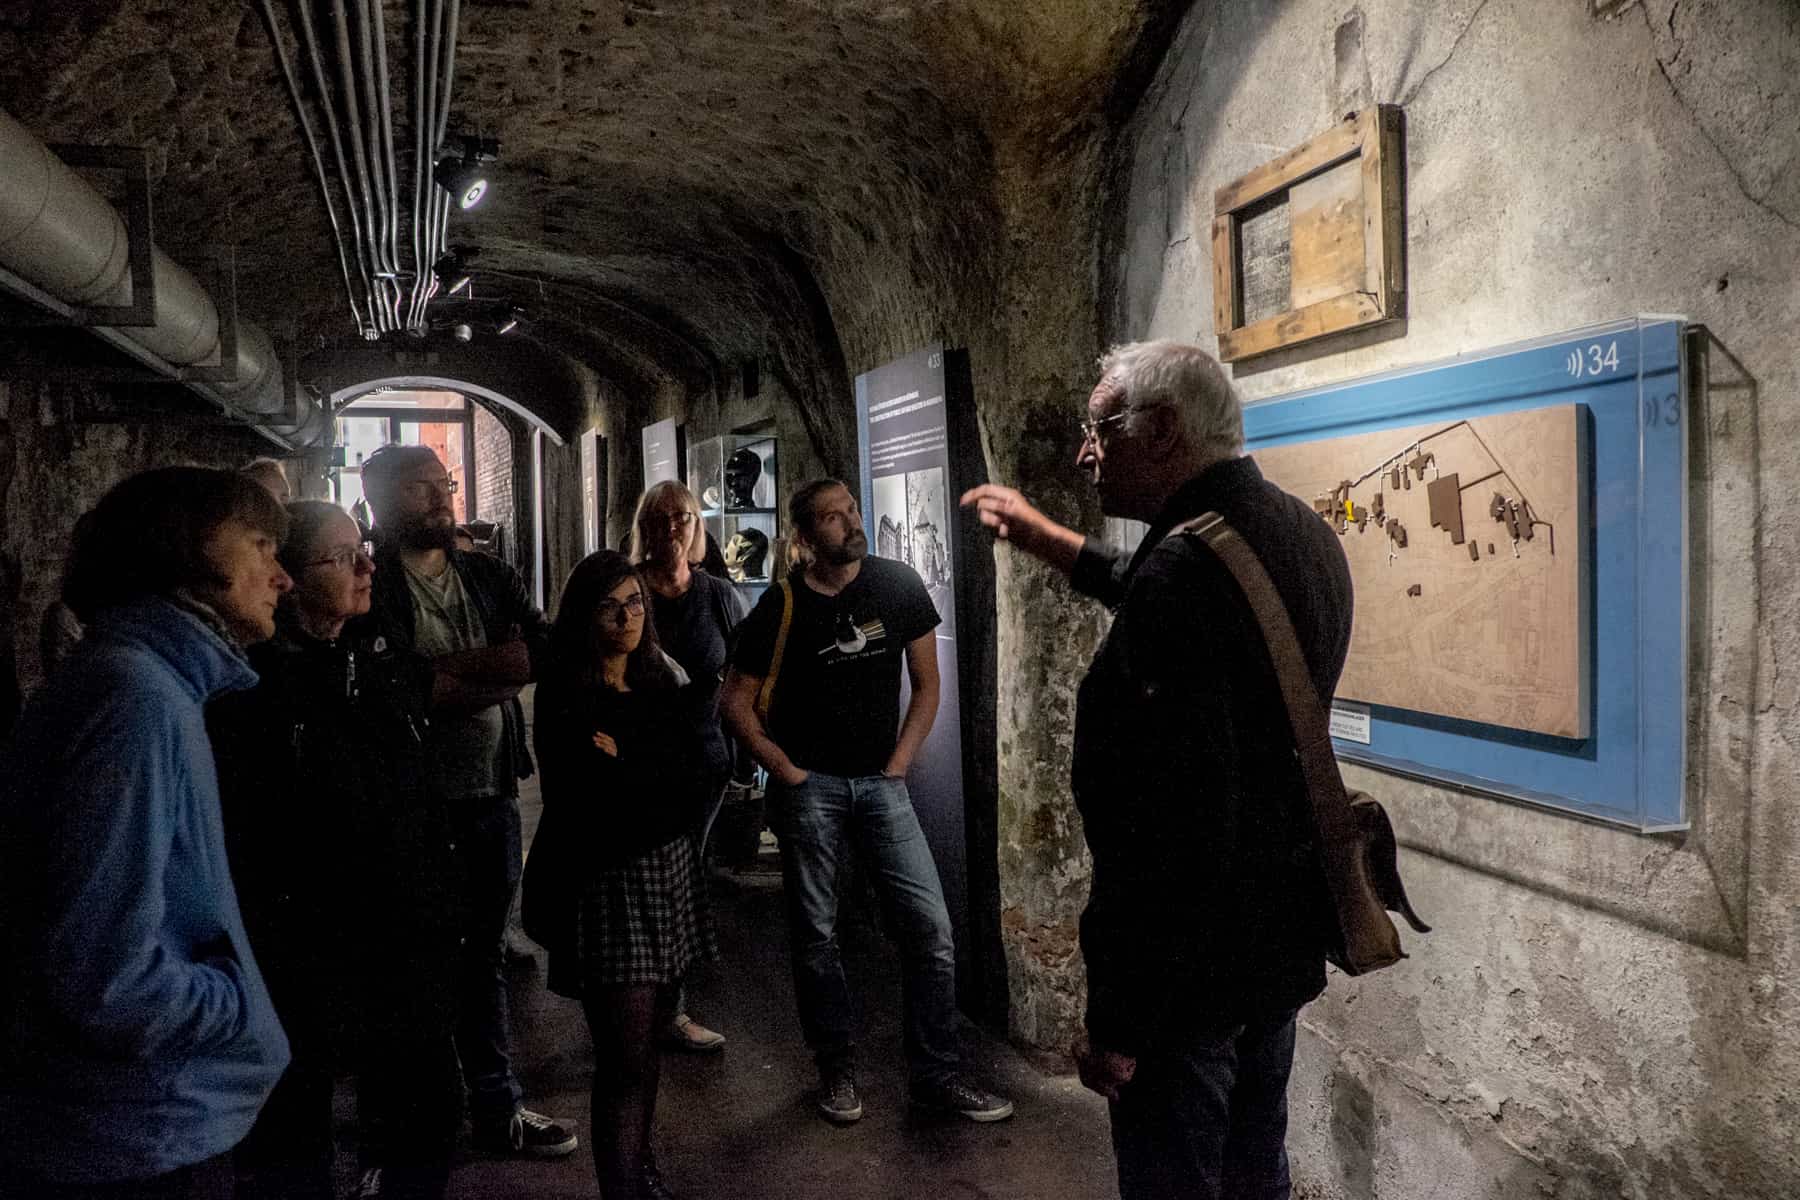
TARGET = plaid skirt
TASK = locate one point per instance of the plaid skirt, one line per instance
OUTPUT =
(644, 921)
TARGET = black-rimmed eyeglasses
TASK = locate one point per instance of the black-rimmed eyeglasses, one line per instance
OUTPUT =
(615, 612)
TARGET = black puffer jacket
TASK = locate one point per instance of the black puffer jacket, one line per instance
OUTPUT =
(341, 858)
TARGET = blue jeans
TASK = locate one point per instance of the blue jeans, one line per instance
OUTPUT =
(487, 846)
(817, 823)
(1205, 1118)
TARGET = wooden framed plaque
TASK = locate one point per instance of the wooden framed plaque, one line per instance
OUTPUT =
(1313, 243)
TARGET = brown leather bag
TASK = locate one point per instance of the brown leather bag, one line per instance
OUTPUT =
(1355, 837)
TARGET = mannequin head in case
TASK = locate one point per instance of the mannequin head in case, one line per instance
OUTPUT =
(742, 470)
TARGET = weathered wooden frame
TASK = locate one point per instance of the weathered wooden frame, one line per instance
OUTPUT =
(1375, 136)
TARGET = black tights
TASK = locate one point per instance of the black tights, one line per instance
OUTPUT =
(623, 1021)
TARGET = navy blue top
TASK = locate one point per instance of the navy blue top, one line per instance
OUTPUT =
(695, 629)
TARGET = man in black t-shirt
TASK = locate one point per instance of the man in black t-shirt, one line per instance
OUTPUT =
(837, 753)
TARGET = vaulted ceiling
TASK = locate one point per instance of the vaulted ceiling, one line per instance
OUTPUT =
(675, 175)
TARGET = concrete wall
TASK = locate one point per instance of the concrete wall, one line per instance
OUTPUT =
(1597, 1013)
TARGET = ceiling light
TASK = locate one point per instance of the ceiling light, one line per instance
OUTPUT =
(511, 322)
(452, 273)
(458, 169)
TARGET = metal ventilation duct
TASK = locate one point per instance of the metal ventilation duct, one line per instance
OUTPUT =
(59, 234)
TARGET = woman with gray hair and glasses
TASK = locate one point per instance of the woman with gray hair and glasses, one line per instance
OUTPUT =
(347, 880)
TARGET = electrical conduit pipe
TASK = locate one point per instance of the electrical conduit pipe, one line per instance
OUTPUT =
(59, 234)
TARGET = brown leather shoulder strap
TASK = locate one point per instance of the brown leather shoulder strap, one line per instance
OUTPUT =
(1305, 711)
(765, 696)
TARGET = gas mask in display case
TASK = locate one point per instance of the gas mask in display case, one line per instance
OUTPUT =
(747, 555)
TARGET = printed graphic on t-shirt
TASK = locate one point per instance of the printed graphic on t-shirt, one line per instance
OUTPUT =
(852, 640)
(837, 702)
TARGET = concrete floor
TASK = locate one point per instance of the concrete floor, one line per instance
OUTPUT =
(740, 1123)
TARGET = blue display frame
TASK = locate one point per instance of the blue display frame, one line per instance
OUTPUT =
(1631, 375)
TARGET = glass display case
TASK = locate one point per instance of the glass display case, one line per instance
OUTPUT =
(734, 477)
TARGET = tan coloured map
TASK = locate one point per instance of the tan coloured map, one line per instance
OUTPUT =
(1499, 639)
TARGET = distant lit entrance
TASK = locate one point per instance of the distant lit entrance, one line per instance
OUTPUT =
(442, 420)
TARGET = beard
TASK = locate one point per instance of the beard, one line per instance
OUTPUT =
(426, 532)
(854, 549)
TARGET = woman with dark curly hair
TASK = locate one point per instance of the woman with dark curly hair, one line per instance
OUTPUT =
(613, 886)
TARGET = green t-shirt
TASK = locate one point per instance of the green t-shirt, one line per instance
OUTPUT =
(465, 749)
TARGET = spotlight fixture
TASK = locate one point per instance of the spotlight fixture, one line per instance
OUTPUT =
(452, 271)
(510, 322)
(462, 333)
(458, 169)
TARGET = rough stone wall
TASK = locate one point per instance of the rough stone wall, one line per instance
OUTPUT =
(63, 468)
(1597, 1013)
(1000, 257)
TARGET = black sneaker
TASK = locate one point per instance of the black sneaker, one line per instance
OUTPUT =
(838, 1102)
(650, 1184)
(958, 1095)
(526, 1135)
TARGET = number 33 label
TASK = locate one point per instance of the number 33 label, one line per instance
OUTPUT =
(1664, 410)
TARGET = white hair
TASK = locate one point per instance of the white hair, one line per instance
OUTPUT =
(1186, 379)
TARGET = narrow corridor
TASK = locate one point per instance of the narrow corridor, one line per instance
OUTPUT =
(740, 1124)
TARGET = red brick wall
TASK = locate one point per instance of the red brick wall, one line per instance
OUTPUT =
(493, 475)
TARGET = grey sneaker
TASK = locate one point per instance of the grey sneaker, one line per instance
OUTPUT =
(527, 1135)
(959, 1095)
(838, 1101)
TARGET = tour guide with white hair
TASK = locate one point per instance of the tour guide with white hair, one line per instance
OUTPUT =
(1203, 931)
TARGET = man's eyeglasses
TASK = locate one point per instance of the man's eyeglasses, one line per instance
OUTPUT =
(615, 612)
(345, 558)
(1090, 428)
(423, 487)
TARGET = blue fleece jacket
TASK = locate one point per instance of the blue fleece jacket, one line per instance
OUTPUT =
(136, 1035)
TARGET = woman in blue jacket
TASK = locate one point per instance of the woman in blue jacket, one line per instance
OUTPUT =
(138, 1040)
